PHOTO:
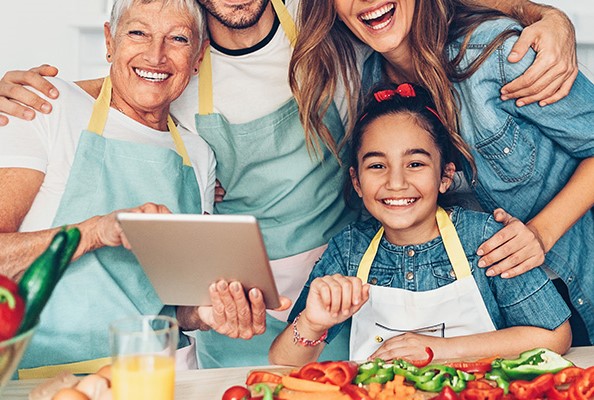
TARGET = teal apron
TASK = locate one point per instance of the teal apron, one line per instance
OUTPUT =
(107, 284)
(266, 170)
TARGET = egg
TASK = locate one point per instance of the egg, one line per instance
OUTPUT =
(105, 372)
(70, 394)
(92, 386)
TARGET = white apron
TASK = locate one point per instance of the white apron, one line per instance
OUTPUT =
(456, 309)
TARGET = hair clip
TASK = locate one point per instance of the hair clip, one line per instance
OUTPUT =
(403, 90)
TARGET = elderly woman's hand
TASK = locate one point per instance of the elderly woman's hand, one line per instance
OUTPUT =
(105, 230)
(232, 313)
(515, 249)
(555, 68)
(21, 102)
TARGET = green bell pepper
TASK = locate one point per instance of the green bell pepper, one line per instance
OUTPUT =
(366, 371)
(498, 376)
(532, 363)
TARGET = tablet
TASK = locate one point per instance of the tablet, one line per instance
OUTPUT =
(183, 254)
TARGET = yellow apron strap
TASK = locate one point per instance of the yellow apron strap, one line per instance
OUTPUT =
(99, 117)
(286, 21)
(180, 147)
(365, 264)
(205, 103)
(81, 367)
(451, 242)
(205, 98)
(101, 108)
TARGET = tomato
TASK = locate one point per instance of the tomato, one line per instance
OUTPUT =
(262, 376)
(471, 367)
(532, 389)
(237, 393)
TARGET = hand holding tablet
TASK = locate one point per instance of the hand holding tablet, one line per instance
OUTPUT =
(183, 254)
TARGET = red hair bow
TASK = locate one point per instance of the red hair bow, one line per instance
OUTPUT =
(403, 90)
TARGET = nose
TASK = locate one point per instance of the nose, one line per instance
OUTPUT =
(396, 179)
(156, 53)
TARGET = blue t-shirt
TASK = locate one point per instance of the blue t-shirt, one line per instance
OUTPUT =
(526, 300)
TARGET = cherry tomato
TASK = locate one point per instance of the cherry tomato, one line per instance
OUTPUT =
(237, 393)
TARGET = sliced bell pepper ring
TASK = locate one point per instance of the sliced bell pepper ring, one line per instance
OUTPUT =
(493, 393)
(583, 387)
(313, 371)
(563, 378)
(423, 363)
(340, 373)
(471, 367)
(366, 371)
(500, 378)
(384, 374)
(532, 389)
(262, 377)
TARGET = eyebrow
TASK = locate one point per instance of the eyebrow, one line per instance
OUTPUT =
(408, 152)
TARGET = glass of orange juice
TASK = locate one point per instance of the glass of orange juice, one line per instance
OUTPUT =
(143, 357)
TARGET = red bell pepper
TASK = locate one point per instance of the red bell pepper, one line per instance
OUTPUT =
(563, 378)
(583, 387)
(533, 389)
(339, 373)
(471, 367)
(262, 377)
(423, 363)
(355, 392)
(12, 308)
(447, 393)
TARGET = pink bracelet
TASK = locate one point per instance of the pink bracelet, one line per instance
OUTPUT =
(297, 339)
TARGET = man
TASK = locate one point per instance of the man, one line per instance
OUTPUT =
(242, 105)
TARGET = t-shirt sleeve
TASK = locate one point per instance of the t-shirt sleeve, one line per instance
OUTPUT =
(25, 144)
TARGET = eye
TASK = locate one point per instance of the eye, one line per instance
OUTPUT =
(180, 39)
(416, 164)
(136, 33)
(375, 166)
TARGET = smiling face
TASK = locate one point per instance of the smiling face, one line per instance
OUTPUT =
(399, 178)
(154, 53)
(383, 25)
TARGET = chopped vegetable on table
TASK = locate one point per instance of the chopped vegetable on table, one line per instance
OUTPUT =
(12, 308)
(532, 363)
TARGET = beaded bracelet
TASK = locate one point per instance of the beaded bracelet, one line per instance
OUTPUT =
(297, 339)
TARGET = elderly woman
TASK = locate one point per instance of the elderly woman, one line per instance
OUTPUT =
(101, 152)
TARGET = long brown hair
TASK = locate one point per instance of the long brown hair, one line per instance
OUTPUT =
(324, 54)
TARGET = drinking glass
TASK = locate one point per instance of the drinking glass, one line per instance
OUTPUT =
(143, 357)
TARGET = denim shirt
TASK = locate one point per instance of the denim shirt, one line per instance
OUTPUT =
(525, 155)
(529, 299)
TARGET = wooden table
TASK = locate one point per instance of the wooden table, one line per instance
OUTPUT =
(211, 383)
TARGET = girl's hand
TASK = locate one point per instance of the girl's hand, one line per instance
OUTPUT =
(555, 68)
(219, 192)
(334, 299)
(410, 346)
(513, 250)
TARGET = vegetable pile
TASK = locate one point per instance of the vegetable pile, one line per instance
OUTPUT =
(21, 305)
(535, 374)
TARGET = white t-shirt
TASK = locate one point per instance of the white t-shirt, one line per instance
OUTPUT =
(249, 83)
(48, 144)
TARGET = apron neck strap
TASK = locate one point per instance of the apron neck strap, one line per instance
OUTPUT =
(205, 98)
(450, 239)
(101, 110)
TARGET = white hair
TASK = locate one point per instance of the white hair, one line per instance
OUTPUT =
(191, 6)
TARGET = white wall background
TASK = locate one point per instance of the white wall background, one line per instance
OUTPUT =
(68, 34)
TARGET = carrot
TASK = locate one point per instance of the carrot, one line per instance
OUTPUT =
(304, 385)
(286, 394)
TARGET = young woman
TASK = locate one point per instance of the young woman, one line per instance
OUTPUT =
(426, 288)
(535, 162)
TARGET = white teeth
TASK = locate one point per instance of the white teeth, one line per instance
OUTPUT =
(399, 202)
(152, 76)
(377, 13)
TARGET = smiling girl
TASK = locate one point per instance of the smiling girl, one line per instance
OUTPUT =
(408, 277)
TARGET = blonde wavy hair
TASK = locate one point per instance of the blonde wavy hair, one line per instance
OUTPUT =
(324, 54)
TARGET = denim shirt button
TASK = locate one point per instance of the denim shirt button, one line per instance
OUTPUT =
(410, 276)
(411, 252)
(373, 281)
(570, 279)
(452, 273)
(506, 150)
(580, 301)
